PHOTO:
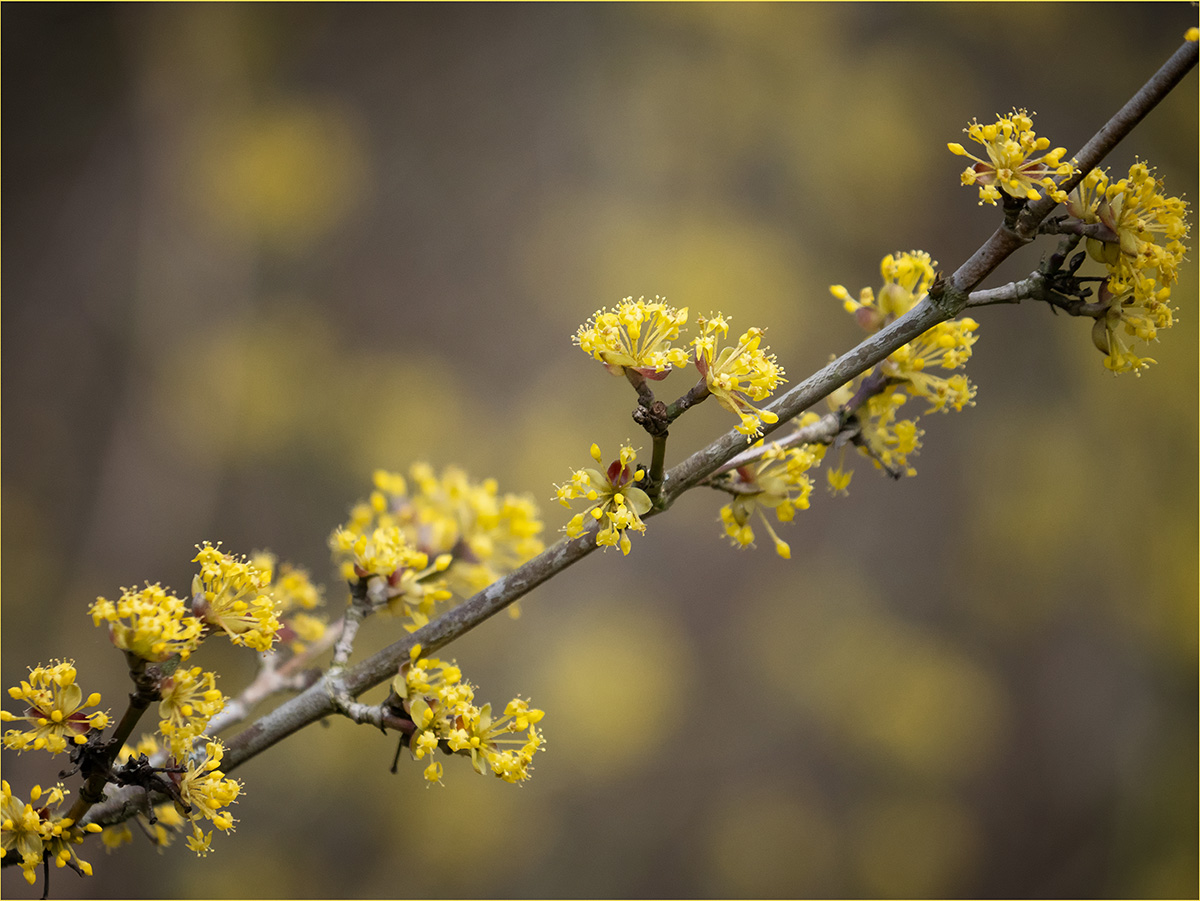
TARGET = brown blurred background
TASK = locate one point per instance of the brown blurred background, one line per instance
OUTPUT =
(253, 252)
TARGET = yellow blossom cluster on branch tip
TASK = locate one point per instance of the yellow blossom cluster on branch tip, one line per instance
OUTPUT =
(204, 792)
(379, 551)
(189, 700)
(404, 576)
(471, 532)
(442, 706)
(488, 534)
(231, 594)
(1012, 166)
(886, 439)
(149, 623)
(617, 502)
(54, 714)
(736, 375)
(37, 833)
(777, 480)
(1142, 251)
(635, 335)
(153, 625)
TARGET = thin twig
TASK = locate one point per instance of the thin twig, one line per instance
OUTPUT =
(823, 431)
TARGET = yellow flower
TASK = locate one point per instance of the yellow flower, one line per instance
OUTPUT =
(21, 832)
(441, 705)
(380, 552)
(425, 675)
(39, 833)
(189, 700)
(907, 277)
(889, 441)
(776, 480)
(839, 480)
(617, 503)
(302, 629)
(488, 534)
(737, 375)
(636, 335)
(54, 712)
(149, 623)
(1141, 245)
(484, 739)
(1012, 166)
(291, 585)
(232, 594)
(908, 371)
(1147, 228)
(293, 592)
(1124, 317)
(204, 791)
(471, 532)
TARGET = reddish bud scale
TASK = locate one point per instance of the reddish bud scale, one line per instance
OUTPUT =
(653, 374)
(614, 472)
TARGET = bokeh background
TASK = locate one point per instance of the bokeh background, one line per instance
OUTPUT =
(253, 252)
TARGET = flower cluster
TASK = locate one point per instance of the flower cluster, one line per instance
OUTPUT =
(157, 631)
(149, 623)
(736, 375)
(489, 534)
(38, 833)
(381, 551)
(636, 335)
(617, 502)
(189, 700)
(395, 571)
(443, 710)
(232, 594)
(204, 792)
(295, 595)
(1140, 243)
(54, 713)
(889, 441)
(1014, 165)
(775, 480)
(471, 532)
(199, 791)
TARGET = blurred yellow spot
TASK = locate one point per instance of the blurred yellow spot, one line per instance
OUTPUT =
(285, 175)
(284, 382)
(916, 848)
(763, 843)
(614, 693)
(884, 688)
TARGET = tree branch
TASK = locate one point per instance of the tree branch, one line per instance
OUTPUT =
(947, 298)
(1004, 241)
